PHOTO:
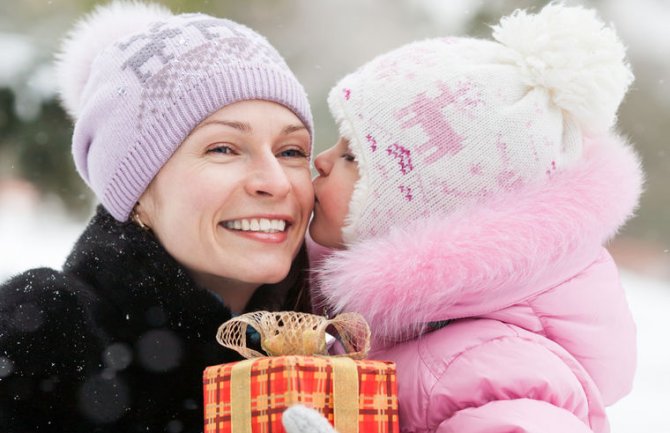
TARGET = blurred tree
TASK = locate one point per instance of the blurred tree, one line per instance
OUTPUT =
(642, 120)
(38, 150)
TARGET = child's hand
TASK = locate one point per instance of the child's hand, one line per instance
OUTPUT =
(302, 419)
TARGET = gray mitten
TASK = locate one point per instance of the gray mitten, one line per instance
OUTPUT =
(302, 419)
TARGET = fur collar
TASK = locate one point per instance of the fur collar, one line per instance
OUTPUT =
(126, 266)
(488, 257)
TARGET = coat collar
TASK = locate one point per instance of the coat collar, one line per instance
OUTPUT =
(128, 267)
(487, 257)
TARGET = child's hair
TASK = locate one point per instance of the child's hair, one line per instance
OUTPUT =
(443, 123)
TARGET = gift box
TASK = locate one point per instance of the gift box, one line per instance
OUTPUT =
(355, 395)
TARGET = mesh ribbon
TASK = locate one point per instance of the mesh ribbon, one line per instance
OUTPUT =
(287, 333)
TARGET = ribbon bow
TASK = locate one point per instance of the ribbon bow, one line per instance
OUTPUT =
(292, 333)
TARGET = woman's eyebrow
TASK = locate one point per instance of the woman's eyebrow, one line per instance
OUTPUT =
(292, 128)
(245, 127)
(240, 126)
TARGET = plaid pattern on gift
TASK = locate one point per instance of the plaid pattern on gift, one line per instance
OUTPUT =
(280, 382)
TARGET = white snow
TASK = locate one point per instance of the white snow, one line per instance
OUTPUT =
(643, 410)
(34, 235)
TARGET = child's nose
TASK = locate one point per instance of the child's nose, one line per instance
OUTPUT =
(322, 164)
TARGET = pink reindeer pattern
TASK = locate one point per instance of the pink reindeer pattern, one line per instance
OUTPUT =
(427, 113)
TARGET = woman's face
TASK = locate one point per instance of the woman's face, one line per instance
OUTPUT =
(338, 174)
(234, 200)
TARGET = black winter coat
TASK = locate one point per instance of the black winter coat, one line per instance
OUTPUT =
(116, 342)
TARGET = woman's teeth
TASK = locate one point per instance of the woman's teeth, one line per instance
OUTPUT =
(256, 225)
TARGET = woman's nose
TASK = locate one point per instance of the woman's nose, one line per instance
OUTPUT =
(268, 178)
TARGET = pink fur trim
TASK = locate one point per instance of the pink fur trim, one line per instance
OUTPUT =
(488, 257)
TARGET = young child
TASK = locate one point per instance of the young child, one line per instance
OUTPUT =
(471, 193)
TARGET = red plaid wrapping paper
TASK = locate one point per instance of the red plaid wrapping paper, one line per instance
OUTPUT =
(276, 383)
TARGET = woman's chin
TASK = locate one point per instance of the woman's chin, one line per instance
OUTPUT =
(255, 275)
(274, 278)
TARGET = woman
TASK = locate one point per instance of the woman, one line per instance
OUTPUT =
(195, 136)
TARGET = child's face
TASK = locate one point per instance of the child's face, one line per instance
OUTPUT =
(338, 173)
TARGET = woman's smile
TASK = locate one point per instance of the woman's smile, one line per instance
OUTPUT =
(267, 229)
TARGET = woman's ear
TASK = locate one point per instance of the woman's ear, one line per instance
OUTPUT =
(139, 217)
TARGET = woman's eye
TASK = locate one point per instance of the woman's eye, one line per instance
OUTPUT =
(293, 153)
(221, 149)
(349, 157)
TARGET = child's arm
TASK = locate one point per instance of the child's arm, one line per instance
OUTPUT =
(514, 416)
(510, 381)
(589, 316)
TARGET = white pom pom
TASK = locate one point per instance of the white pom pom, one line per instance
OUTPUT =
(90, 36)
(571, 53)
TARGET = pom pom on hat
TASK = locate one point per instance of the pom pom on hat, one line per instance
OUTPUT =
(571, 53)
(90, 36)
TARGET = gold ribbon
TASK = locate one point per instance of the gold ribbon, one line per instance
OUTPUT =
(240, 397)
(345, 394)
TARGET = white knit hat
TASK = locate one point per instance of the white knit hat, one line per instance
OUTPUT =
(442, 123)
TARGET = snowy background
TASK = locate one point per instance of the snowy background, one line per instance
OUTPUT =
(36, 229)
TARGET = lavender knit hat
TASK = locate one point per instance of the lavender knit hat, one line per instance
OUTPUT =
(137, 79)
(442, 124)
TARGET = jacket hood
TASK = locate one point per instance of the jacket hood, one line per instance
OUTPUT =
(490, 256)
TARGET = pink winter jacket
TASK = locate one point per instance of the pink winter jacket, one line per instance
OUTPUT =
(540, 337)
